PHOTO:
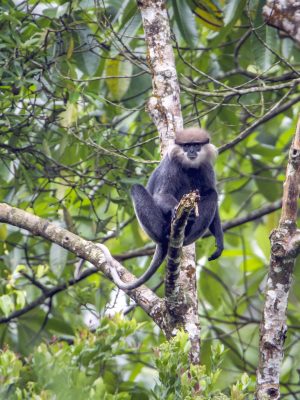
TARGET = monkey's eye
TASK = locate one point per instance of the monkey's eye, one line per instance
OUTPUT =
(192, 147)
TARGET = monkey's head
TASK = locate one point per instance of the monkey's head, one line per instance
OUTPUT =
(192, 148)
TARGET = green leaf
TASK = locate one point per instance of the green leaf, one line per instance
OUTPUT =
(3, 231)
(69, 116)
(208, 12)
(265, 182)
(60, 326)
(122, 70)
(20, 298)
(232, 9)
(58, 259)
(6, 304)
(28, 178)
(262, 56)
(185, 21)
(232, 12)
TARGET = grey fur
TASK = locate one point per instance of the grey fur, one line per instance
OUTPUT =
(181, 171)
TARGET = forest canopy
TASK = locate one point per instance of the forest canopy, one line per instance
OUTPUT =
(75, 135)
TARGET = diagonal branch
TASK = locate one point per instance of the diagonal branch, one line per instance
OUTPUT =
(85, 249)
(278, 108)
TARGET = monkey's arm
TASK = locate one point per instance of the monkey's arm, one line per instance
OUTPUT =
(216, 229)
(158, 258)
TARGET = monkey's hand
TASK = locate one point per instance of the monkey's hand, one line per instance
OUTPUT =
(217, 253)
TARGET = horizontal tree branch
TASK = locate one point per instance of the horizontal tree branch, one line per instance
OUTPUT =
(251, 216)
(239, 92)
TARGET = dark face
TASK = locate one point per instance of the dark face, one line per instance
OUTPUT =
(192, 149)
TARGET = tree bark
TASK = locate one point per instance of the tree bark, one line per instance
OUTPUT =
(285, 246)
(165, 111)
(164, 108)
(89, 251)
(285, 16)
(164, 104)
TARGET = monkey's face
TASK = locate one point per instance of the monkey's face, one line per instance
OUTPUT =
(191, 155)
(191, 150)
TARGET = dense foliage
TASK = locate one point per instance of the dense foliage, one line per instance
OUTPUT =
(74, 135)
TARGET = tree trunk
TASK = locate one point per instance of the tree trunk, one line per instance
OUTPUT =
(165, 110)
(285, 246)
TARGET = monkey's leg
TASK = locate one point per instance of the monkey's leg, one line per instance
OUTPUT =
(207, 210)
(149, 215)
(216, 229)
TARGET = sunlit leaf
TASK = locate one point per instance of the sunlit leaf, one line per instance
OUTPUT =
(71, 48)
(6, 304)
(121, 70)
(58, 259)
(69, 116)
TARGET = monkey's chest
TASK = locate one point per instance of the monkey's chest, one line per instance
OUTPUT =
(189, 183)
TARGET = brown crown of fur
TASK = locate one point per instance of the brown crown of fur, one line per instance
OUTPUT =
(191, 135)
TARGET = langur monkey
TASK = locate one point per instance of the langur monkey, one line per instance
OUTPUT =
(186, 167)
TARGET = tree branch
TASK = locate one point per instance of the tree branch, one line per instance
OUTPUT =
(165, 110)
(164, 104)
(183, 210)
(251, 216)
(181, 310)
(285, 242)
(85, 249)
(240, 92)
(278, 108)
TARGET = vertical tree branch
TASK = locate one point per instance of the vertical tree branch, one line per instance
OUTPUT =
(165, 110)
(183, 210)
(180, 281)
(285, 245)
(164, 104)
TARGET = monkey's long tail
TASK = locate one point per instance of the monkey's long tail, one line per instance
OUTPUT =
(158, 258)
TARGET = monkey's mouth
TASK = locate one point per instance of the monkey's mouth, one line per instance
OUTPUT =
(192, 156)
